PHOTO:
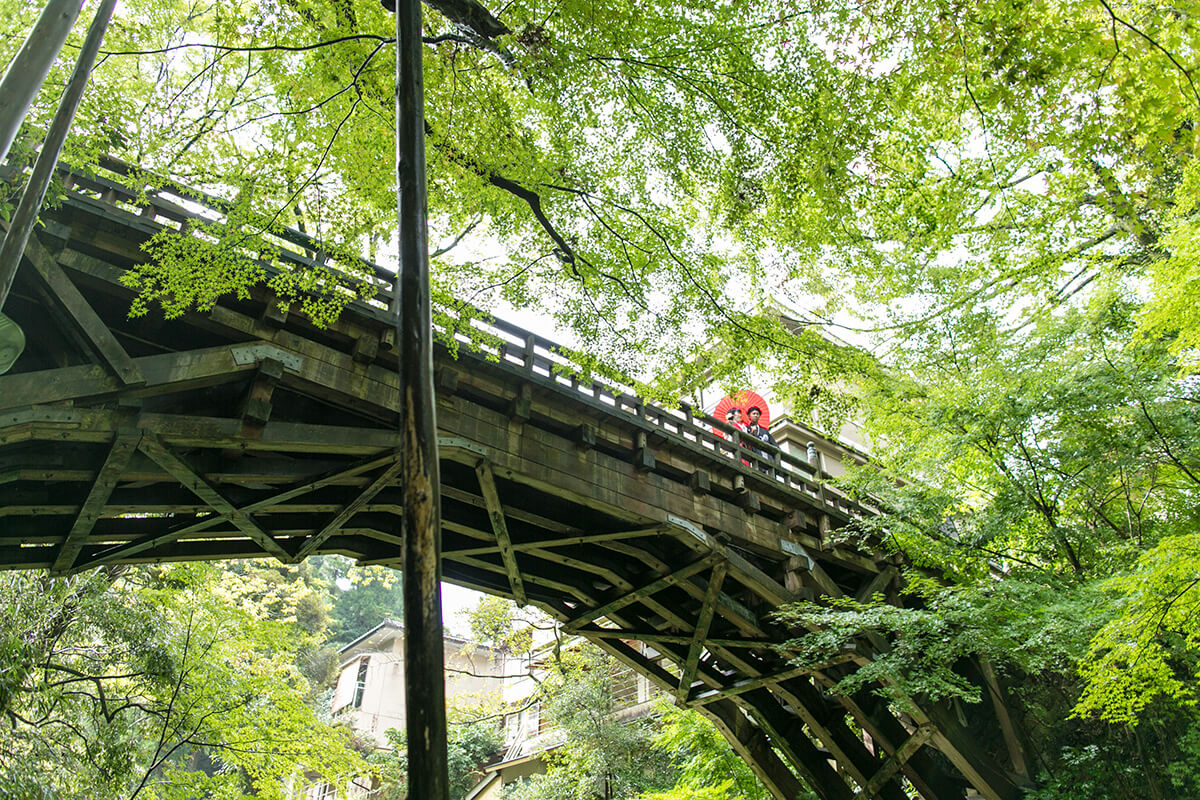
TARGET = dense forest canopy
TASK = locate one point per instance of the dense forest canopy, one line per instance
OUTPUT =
(658, 176)
(996, 201)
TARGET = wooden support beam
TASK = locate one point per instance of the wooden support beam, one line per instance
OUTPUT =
(653, 587)
(385, 479)
(657, 637)
(255, 409)
(643, 455)
(1008, 727)
(520, 407)
(570, 541)
(962, 748)
(926, 769)
(569, 590)
(487, 486)
(106, 480)
(275, 312)
(897, 760)
(704, 696)
(747, 739)
(126, 551)
(788, 735)
(876, 584)
(708, 607)
(826, 722)
(160, 454)
(750, 502)
(446, 381)
(81, 312)
(585, 436)
(366, 348)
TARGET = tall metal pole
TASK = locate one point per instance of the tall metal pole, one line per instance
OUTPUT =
(425, 692)
(43, 169)
(29, 66)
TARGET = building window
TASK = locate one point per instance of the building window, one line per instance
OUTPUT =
(321, 790)
(360, 685)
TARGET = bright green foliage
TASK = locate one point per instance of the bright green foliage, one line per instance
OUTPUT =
(472, 743)
(719, 791)
(708, 767)
(158, 683)
(600, 756)
(500, 624)
(997, 198)
(362, 597)
(1153, 647)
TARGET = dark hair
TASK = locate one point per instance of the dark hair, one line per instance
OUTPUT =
(731, 410)
(753, 408)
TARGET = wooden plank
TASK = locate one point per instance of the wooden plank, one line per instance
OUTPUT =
(64, 424)
(106, 480)
(173, 464)
(84, 316)
(648, 589)
(385, 479)
(169, 372)
(487, 486)
(708, 608)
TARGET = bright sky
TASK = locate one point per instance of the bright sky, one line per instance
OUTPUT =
(456, 600)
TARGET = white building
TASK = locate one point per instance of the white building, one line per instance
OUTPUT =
(370, 685)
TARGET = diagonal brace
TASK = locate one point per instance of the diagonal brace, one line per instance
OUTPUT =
(160, 454)
(102, 488)
(708, 608)
(655, 586)
(150, 542)
(386, 478)
(491, 498)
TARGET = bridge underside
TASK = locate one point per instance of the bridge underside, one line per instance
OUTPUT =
(245, 432)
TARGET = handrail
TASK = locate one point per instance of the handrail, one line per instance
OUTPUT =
(537, 357)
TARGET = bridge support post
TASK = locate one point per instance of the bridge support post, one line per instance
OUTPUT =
(420, 526)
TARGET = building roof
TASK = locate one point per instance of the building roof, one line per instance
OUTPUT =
(390, 624)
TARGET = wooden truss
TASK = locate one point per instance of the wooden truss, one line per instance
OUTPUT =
(245, 432)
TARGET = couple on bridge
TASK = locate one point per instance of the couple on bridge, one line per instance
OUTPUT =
(749, 425)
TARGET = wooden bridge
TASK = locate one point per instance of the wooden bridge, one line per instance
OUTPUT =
(247, 432)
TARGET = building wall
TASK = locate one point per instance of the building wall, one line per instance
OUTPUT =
(472, 676)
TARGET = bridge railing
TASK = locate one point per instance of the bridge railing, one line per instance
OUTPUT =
(164, 202)
(547, 363)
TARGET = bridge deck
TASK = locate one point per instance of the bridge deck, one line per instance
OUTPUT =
(246, 432)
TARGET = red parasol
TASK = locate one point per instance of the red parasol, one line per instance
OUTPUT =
(742, 400)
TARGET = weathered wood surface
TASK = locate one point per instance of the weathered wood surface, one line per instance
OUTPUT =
(246, 433)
